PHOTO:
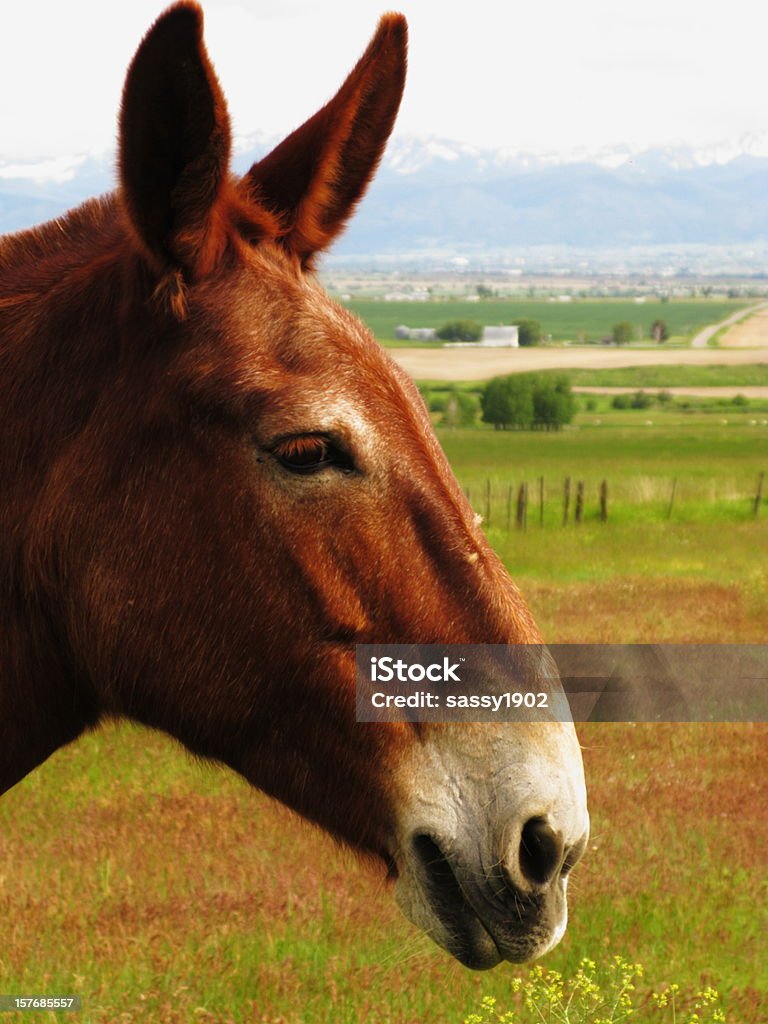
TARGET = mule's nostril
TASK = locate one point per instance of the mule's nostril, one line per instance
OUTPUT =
(541, 851)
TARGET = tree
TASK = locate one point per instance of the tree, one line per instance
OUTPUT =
(493, 403)
(460, 330)
(508, 402)
(553, 402)
(460, 409)
(528, 333)
(527, 401)
(500, 402)
(622, 333)
(659, 331)
(520, 392)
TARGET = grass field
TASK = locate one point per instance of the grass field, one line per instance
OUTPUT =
(163, 890)
(584, 320)
(659, 377)
(639, 452)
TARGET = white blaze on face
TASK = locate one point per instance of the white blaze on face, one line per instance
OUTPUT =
(560, 929)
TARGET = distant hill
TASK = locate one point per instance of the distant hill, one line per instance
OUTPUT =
(434, 194)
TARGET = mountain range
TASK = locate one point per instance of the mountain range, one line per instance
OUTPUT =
(435, 195)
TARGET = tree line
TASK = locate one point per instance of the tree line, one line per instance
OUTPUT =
(527, 401)
(529, 332)
(520, 401)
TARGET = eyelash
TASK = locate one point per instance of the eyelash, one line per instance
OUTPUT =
(305, 454)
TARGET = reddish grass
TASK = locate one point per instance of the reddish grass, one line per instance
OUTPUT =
(173, 895)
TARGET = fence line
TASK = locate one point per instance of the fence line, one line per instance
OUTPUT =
(511, 500)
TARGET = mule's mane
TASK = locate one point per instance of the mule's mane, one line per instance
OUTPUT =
(32, 259)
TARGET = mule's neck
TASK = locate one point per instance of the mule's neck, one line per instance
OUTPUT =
(61, 288)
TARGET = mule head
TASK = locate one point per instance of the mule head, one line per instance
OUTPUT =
(259, 489)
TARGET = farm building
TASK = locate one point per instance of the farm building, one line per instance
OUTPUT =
(500, 337)
(415, 333)
(493, 337)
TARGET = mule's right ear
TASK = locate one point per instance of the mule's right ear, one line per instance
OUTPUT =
(314, 179)
(174, 145)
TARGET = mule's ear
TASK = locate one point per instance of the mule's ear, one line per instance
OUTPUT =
(314, 178)
(174, 143)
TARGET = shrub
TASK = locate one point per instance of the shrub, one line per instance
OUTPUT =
(461, 409)
(528, 333)
(622, 333)
(621, 402)
(460, 330)
(641, 400)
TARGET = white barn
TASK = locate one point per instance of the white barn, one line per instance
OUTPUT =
(493, 337)
(500, 337)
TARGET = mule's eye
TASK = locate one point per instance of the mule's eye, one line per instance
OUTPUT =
(310, 453)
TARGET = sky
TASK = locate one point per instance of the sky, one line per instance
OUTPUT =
(540, 76)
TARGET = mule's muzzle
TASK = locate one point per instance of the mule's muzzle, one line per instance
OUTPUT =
(462, 932)
(513, 909)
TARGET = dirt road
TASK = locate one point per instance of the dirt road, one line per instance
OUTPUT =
(701, 340)
(750, 332)
(483, 363)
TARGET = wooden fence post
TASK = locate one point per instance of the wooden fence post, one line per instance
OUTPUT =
(541, 501)
(566, 499)
(579, 501)
(759, 495)
(604, 501)
(672, 498)
(520, 517)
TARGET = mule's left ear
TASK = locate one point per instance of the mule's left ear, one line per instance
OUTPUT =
(174, 144)
(314, 178)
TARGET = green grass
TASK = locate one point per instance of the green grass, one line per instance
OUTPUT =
(582, 320)
(658, 377)
(650, 377)
(639, 453)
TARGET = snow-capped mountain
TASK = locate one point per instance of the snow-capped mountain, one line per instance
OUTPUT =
(434, 193)
(411, 155)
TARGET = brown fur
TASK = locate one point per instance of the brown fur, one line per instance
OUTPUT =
(156, 561)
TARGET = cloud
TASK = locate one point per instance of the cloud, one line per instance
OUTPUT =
(493, 73)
